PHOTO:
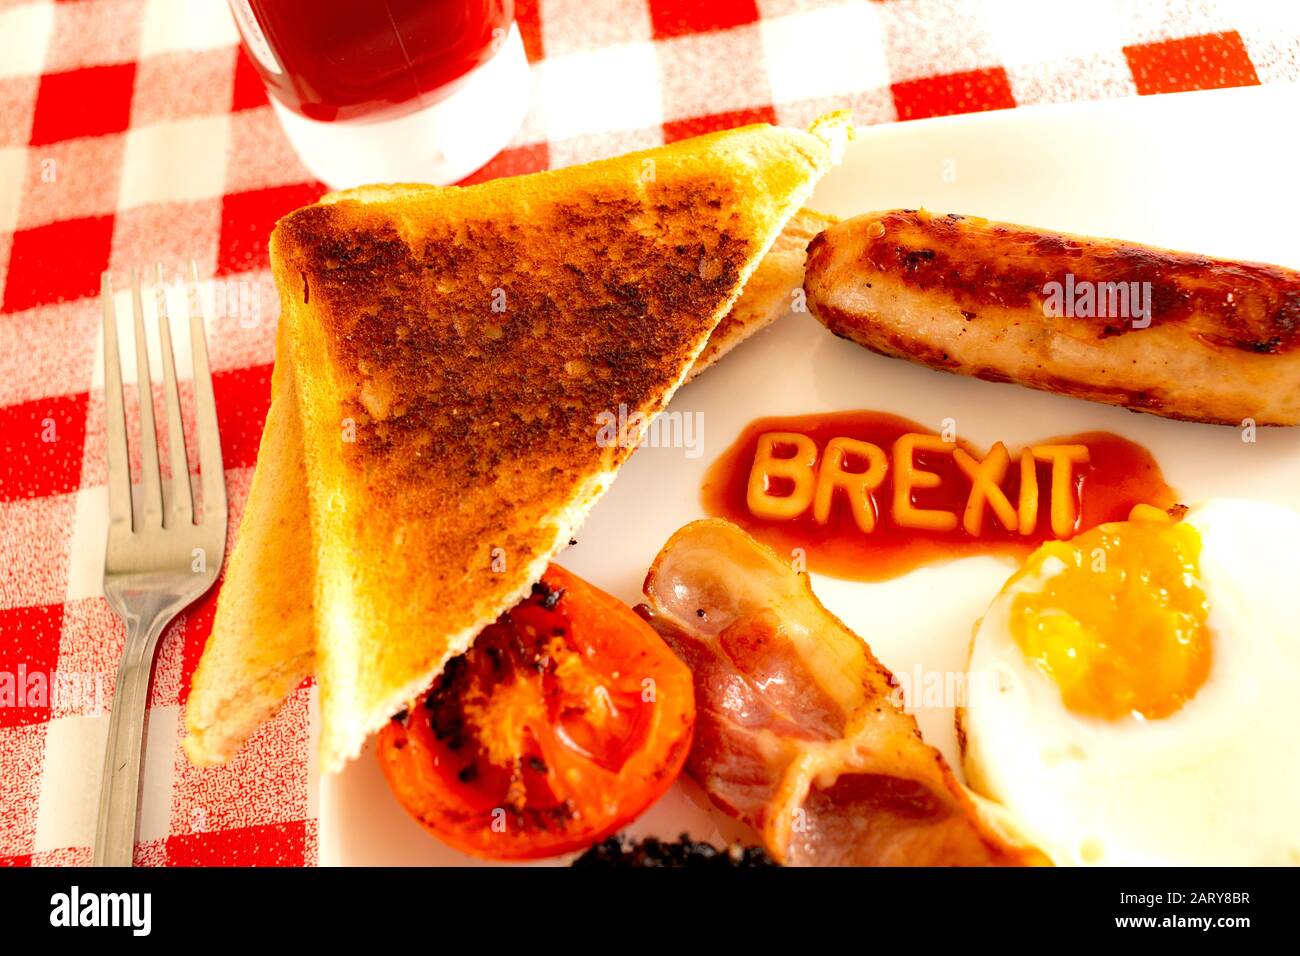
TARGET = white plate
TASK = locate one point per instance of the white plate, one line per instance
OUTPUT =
(1211, 172)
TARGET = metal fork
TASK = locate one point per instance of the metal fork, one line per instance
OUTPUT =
(159, 563)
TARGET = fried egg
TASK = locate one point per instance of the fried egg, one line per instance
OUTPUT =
(1134, 692)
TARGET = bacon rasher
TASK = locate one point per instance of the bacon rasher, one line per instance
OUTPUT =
(797, 733)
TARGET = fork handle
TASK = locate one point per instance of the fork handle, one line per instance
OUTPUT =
(119, 793)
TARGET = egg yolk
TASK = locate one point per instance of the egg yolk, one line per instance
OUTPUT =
(1121, 629)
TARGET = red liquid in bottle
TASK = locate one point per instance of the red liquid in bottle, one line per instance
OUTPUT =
(353, 59)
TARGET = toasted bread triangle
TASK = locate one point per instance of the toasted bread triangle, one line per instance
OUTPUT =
(263, 638)
(450, 351)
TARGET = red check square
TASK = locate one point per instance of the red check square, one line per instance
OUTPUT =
(198, 628)
(249, 90)
(29, 653)
(969, 92)
(281, 844)
(1208, 62)
(512, 162)
(42, 442)
(529, 19)
(87, 102)
(247, 220)
(699, 125)
(674, 18)
(243, 395)
(57, 262)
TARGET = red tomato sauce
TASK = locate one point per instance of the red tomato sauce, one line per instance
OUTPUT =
(1119, 475)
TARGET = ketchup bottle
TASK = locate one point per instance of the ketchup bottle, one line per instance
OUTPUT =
(390, 90)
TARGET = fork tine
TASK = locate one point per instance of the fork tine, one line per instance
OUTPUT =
(209, 439)
(182, 503)
(150, 480)
(119, 467)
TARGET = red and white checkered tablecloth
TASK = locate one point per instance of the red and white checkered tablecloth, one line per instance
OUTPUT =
(134, 131)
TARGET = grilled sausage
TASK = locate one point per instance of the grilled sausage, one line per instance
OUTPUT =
(1171, 333)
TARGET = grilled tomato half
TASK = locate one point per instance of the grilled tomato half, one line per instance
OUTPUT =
(567, 718)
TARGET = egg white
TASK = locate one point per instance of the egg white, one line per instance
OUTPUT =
(1215, 783)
